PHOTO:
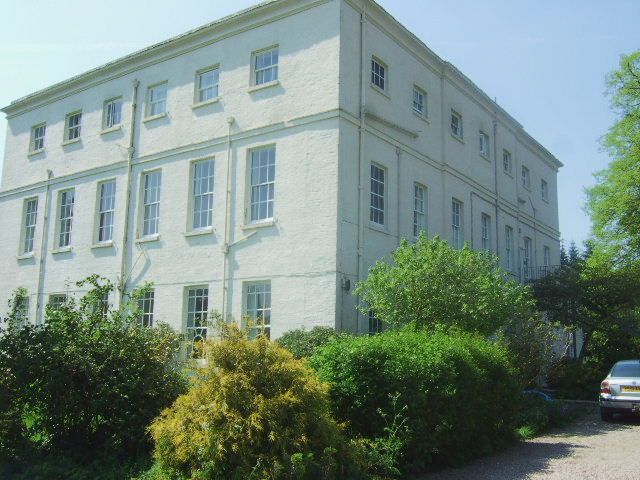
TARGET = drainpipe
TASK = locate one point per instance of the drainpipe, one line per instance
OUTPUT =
(227, 223)
(495, 177)
(471, 214)
(41, 301)
(398, 155)
(361, 173)
(131, 150)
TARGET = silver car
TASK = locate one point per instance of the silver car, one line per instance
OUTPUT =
(620, 391)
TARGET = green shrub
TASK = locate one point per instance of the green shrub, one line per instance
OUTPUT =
(303, 343)
(460, 391)
(575, 380)
(86, 381)
(537, 415)
(255, 413)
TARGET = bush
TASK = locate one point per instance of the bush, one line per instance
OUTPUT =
(303, 343)
(575, 380)
(86, 381)
(460, 391)
(538, 415)
(255, 413)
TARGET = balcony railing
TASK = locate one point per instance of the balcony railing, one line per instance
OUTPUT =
(530, 274)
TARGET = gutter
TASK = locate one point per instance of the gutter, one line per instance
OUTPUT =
(41, 301)
(227, 222)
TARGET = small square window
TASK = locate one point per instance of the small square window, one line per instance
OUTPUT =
(507, 164)
(37, 138)
(112, 113)
(72, 129)
(157, 100)
(265, 66)
(419, 101)
(378, 74)
(207, 85)
(484, 144)
(456, 124)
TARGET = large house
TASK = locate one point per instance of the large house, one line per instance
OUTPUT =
(260, 164)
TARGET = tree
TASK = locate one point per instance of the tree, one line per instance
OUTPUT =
(431, 283)
(614, 201)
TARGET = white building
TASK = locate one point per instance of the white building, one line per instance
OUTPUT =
(260, 164)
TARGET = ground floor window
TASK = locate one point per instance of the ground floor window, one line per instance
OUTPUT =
(258, 309)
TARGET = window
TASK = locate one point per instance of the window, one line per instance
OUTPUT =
(22, 310)
(506, 162)
(508, 241)
(419, 101)
(456, 124)
(265, 66)
(484, 144)
(419, 217)
(263, 183)
(207, 84)
(456, 223)
(202, 194)
(486, 231)
(378, 74)
(56, 301)
(37, 137)
(72, 130)
(376, 210)
(112, 113)
(197, 311)
(145, 305)
(151, 203)
(259, 309)
(375, 325)
(527, 263)
(106, 210)
(546, 257)
(544, 190)
(30, 216)
(526, 177)
(65, 222)
(157, 100)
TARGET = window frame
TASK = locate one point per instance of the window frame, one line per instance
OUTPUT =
(484, 142)
(423, 113)
(146, 306)
(99, 212)
(142, 234)
(457, 230)
(34, 138)
(271, 192)
(544, 190)
(374, 324)
(197, 94)
(525, 177)
(416, 213)
(546, 256)
(507, 161)
(59, 220)
(108, 122)
(201, 330)
(68, 127)
(149, 108)
(485, 231)
(509, 247)
(460, 128)
(376, 75)
(28, 229)
(247, 314)
(50, 299)
(375, 211)
(191, 223)
(255, 71)
(527, 258)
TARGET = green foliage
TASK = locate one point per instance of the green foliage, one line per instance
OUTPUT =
(255, 412)
(303, 343)
(575, 380)
(87, 380)
(614, 201)
(431, 283)
(538, 415)
(460, 391)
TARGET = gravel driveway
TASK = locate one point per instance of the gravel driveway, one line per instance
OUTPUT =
(588, 449)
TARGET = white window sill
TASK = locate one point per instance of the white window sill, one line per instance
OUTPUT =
(35, 152)
(25, 256)
(201, 231)
(103, 244)
(149, 238)
(255, 88)
(457, 137)
(485, 157)
(111, 129)
(61, 250)
(154, 117)
(382, 92)
(70, 142)
(379, 228)
(261, 224)
(421, 116)
(211, 101)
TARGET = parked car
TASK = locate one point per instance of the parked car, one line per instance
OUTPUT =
(620, 390)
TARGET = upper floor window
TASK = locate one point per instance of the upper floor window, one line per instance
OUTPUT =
(508, 241)
(106, 210)
(265, 66)
(456, 124)
(376, 205)
(259, 308)
(486, 231)
(37, 137)
(263, 183)
(197, 312)
(526, 178)
(151, 203)
(157, 100)
(207, 84)
(145, 305)
(72, 126)
(507, 164)
(456, 223)
(484, 144)
(544, 190)
(202, 194)
(112, 113)
(378, 74)
(419, 101)
(65, 217)
(419, 211)
(30, 216)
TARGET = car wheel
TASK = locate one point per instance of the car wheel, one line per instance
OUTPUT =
(605, 414)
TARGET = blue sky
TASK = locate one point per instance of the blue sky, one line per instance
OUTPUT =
(545, 60)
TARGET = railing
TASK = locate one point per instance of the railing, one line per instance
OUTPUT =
(530, 274)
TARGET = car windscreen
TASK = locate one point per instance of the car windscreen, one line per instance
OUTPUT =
(626, 370)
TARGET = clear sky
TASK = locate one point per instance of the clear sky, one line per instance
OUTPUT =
(544, 60)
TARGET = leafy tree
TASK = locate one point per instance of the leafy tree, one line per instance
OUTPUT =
(431, 283)
(303, 343)
(614, 202)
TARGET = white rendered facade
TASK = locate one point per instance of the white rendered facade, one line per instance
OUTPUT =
(232, 166)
